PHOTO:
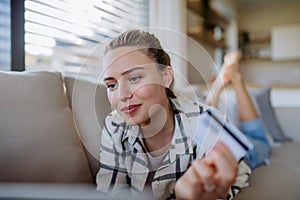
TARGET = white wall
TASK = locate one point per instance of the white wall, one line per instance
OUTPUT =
(266, 72)
(168, 21)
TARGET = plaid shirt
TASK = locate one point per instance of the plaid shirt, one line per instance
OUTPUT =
(124, 164)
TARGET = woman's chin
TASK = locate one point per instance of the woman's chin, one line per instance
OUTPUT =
(131, 121)
(134, 121)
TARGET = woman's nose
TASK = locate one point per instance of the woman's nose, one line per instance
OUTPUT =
(124, 92)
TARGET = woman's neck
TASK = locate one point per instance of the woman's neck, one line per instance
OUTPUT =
(158, 134)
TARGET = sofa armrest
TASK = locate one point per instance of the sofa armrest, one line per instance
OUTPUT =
(61, 191)
(49, 191)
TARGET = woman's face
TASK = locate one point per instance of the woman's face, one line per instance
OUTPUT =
(135, 87)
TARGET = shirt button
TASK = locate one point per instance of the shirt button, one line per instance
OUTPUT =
(156, 182)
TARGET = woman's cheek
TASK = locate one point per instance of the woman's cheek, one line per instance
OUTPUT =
(111, 100)
(146, 91)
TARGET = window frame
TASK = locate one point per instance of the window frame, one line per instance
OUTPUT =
(17, 35)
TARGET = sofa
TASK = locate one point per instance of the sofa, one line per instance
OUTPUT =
(50, 129)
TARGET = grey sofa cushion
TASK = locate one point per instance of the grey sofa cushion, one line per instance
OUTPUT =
(90, 106)
(38, 138)
(280, 179)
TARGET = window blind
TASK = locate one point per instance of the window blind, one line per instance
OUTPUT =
(61, 34)
(5, 49)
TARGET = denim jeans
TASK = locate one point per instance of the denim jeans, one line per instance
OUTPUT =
(255, 131)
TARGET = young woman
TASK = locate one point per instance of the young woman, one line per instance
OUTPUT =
(251, 123)
(147, 139)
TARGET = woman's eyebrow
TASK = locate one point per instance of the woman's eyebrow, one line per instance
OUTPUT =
(131, 70)
(124, 73)
(108, 78)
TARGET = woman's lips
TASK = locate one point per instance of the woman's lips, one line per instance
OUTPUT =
(131, 109)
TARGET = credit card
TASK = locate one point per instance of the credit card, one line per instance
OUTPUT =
(212, 127)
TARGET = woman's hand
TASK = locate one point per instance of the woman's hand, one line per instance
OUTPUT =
(210, 177)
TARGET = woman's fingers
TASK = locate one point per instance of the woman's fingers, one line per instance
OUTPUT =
(205, 172)
(209, 178)
(226, 167)
(189, 185)
(197, 183)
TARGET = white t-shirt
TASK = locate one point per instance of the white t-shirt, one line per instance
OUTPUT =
(154, 162)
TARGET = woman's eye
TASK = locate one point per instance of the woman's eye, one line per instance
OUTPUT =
(134, 78)
(111, 86)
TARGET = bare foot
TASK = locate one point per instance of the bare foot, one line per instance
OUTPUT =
(230, 66)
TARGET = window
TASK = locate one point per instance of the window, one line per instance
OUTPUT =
(61, 34)
(5, 58)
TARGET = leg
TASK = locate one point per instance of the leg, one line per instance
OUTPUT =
(213, 96)
(246, 107)
(251, 124)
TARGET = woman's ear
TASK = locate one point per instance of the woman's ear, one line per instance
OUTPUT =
(168, 76)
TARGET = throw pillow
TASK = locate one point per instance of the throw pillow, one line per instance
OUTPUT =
(269, 116)
(90, 106)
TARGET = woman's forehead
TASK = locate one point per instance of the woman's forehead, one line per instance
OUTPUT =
(124, 57)
(121, 54)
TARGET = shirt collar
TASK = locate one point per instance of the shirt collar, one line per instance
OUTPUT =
(181, 144)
